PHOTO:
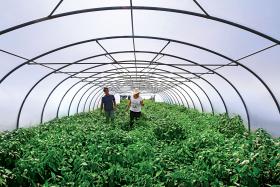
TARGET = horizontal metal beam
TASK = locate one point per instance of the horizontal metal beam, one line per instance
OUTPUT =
(144, 87)
(150, 82)
(160, 72)
(141, 82)
(161, 9)
(138, 78)
(139, 62)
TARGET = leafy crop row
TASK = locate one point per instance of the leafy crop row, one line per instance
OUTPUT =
(169, 146)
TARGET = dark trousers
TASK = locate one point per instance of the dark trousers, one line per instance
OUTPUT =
(110, 115)
(134, 116)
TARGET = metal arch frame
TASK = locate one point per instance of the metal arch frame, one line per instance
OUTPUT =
(62, 67)
(225, 57)
(158, 69)
(164, 10)
(155, 79)
(65, 47)
(120, 78)
(66, 79)
(77, 111)
(184, 43)
(92, 81)
(173, 96)
(90, 93)
(84, 108)
(169, 100)
(236, 90)
(100, 96)
(93, 98)
(129, 37)
(224, 78)
(146, 52)
(74, 63)
(88, 90)
(162, 97)
(168, 97)
(97, 66)
(216, 73)
(165, 97)
(78, 106)
(159, 9)
(184, 70)
(182, 77)
(208, 17)
(155, 73)
(109, 64)
(149, 37)
(113, 73)
(75, 94)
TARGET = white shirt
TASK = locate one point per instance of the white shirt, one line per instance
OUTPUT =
(135, 104)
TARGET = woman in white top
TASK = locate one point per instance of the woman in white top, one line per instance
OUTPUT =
(135, 104)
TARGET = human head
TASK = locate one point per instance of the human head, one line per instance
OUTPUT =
(136, 92)
(106, 90)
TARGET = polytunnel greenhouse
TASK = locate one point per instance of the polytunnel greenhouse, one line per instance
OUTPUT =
(208, 77)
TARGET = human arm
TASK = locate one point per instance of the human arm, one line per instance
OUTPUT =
(101, 107)
(128, 106)
(142, 103)
(114, 102)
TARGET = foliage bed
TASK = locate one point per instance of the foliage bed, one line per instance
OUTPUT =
(169, 146)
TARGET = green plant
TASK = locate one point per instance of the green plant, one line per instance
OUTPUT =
(170, 146)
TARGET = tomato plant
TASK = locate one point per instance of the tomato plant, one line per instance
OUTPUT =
(169, 146)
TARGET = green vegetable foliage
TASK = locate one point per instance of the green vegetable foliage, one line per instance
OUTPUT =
(169, 146)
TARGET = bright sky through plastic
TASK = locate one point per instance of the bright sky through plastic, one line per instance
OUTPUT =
(230, 41)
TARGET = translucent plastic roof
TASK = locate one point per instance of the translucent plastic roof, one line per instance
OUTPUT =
(214, 56)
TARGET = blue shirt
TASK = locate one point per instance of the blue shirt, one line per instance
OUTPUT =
(108, 100)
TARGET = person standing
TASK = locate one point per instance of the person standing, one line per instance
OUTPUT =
(135, 104)
(108, 102)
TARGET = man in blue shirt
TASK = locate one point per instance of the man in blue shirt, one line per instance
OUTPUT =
(109, 104)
